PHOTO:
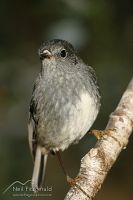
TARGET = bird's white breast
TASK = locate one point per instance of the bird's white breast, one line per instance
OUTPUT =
(81, 117)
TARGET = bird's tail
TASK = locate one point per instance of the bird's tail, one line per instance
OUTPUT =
(39, 168)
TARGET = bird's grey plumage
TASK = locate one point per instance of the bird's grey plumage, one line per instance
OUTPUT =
(64, 104)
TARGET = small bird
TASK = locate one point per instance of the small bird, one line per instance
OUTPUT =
(64, 105)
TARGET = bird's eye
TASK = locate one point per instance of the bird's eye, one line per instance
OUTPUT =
(63, 53)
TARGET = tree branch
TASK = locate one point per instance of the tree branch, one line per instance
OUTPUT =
(98, 161)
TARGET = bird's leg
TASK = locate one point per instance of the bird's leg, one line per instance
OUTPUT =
(61, 163)
(99, 134)
(71, 181)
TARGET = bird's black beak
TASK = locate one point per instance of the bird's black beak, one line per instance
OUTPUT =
(45, 54)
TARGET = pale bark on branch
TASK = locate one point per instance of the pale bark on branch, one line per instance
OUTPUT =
(97, 162)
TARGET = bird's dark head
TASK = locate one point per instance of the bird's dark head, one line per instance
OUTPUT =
(57, 50)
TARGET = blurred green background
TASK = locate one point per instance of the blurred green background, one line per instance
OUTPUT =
(102, 33)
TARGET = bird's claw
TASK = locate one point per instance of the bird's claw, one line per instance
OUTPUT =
(99, 134)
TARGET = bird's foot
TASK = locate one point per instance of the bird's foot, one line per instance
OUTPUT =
(74, 183)
(99, 134)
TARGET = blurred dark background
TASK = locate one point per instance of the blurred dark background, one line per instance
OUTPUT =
(102, 33)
